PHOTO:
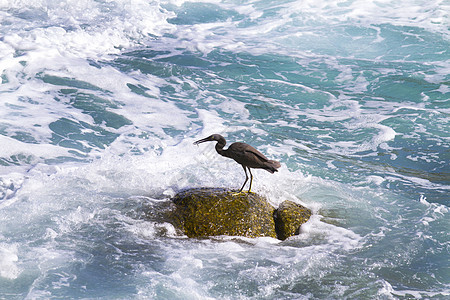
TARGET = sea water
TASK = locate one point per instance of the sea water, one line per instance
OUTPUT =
(101, 100)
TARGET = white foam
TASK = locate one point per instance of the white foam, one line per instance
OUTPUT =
(75, 196)
(105, 32)
(212, 123)
(391, 292)
(378, 180)
(385, 134)
(57, 202)
(278, 31)
(12, 147)
(62, 47)
(425, 183)
(57, 39)
(146, 230)
(314, 231)
(8, 261)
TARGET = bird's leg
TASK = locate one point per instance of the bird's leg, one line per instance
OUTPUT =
(246, 178)
(251, 180)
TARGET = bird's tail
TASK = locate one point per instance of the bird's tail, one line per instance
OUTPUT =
(272, 166)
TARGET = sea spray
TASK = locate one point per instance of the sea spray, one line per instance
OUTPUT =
(102, 100)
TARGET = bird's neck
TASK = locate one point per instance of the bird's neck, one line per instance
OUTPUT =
(219, 146)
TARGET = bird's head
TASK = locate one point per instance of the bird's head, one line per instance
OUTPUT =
(211, 138)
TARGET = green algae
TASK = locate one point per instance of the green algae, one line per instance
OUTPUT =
(210, 212)
(204, 212)
(289, 217)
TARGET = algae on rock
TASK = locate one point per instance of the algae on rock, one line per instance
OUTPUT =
(203, 212)
(210, 212)
(288, 218)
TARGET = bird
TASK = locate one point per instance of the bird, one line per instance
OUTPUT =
(245, 155)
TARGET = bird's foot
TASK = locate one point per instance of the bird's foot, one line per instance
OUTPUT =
(242, 193)
(238, 193)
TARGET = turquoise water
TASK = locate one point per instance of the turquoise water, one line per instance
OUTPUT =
(100, 102)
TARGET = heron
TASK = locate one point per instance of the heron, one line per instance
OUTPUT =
(245, 155)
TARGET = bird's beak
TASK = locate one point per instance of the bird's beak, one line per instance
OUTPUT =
(208, 139)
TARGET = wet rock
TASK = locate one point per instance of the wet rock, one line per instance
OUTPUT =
(206, 212)
(288, 218)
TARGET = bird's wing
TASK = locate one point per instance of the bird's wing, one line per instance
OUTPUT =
(256, 152)
(239, 150)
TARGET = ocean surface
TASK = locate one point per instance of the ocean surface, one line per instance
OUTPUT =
(101, 101)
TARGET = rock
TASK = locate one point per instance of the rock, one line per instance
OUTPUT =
(206, 212)
(288, 218)
(209, 211)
